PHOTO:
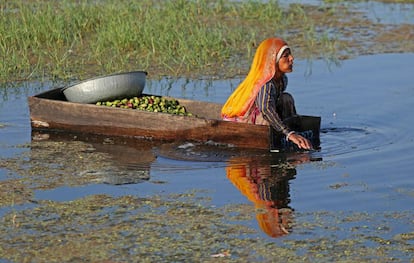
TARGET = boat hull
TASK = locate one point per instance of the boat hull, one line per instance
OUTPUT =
(50, 110)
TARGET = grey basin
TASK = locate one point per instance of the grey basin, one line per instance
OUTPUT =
(122, 85)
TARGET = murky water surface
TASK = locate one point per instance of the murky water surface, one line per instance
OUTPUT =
(359, 186)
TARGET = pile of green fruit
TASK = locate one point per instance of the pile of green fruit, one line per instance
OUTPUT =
(148, 103)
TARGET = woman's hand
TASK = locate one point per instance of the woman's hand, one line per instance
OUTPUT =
(300, 141)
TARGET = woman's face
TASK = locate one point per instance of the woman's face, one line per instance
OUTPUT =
(286, 62)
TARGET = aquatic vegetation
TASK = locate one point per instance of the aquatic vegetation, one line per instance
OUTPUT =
(79, 39)
(182, 227)
(167, 227)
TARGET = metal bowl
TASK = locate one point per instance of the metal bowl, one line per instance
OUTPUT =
(122, 85)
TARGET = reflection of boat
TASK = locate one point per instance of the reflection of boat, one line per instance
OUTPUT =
(266, 185)
(128, 162)
(51, 111)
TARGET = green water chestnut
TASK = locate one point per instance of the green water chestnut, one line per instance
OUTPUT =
(148, 103)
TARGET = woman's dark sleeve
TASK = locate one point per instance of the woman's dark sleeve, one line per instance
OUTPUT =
(266, 103)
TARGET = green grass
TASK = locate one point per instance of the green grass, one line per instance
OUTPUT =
(77, 39)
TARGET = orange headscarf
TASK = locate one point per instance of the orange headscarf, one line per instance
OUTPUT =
(262, 70)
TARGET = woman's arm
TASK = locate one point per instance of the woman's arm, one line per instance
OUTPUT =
(266, 103)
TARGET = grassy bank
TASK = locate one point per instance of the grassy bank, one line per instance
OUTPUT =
(74, 39)
(78, 39)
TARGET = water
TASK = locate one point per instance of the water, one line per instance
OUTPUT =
(385, 13)
(364, 167)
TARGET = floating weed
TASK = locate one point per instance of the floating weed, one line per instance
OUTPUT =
(52, 164)
(177, 227)
(163, 228)
(126, 228)
(14, 192)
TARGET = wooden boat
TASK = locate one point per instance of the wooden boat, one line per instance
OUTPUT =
(51, 111)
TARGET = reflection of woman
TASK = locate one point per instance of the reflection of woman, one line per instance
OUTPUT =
(268, 188)
(261, 97)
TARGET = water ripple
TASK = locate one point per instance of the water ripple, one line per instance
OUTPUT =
(342, 140)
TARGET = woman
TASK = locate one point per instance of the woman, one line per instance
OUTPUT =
(261, 97)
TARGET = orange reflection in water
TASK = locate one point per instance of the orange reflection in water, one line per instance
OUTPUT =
(266, 184)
